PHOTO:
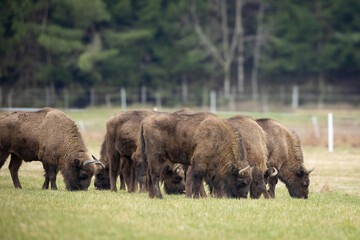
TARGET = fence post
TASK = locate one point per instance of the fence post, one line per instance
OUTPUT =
(92, 97)
(316, 126)
(123, 99)
(143, 95)
(158, 100)
(330, 132)
(9, 99)
(295, 97)
(184, 91)
(213, 101)
(0, 97)
(66, 98)
(108, 101)
(47, 97)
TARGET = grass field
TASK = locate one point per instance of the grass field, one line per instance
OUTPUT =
(331, 212)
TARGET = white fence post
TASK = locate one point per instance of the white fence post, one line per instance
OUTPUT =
(158, 100)
(123, 99)
(295, 97)
(143, 95)
(330, 132)
(92, 97)
(316, 126)
(108, 101)
(213, 101)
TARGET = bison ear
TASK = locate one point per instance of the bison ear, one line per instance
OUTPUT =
(300, 172)
(77, 162)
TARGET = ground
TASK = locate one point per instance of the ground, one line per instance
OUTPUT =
(331, 212)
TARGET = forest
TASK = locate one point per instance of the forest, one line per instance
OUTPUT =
(231, 46)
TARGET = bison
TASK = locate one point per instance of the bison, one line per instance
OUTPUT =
(256, 153)
(122, 141)
(285, 155)
(48, 136)
(102, 178)
(203, 140)
(172, 176)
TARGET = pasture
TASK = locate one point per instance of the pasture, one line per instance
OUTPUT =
(331, 212)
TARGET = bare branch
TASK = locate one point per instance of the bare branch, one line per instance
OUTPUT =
(206, 41)
(238, 29)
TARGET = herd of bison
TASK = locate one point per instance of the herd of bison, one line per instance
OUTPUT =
(183, 150)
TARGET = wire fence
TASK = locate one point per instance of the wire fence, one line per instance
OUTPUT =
(274, 99)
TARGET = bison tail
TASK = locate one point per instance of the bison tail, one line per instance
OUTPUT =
(144, 162)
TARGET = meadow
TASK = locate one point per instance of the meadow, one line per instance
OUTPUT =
(331, 212)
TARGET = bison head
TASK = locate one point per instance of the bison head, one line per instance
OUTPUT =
(173, 178)
(258, 185)
(78, 176)
(102, 178)
(237, 185)
(298, 182)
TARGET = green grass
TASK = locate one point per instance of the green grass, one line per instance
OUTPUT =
(331, 212)
(32, 213)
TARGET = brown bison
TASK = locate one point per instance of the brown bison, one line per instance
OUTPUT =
(172, 176)
(203, 140)
(285, 155)
(256, 152)
(51, 137)
(102, 178)
(122, 141)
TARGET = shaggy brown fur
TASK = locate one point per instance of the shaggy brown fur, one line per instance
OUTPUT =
(256, 152)
(286, 156)
(51, 137)
(122, 137)
(202, 140)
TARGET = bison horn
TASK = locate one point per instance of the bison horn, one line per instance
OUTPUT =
(244, 169)
(97, 162)
(309, 171)
(274, 173)
(176, 167)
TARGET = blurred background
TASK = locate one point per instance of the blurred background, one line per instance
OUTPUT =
(249, 55)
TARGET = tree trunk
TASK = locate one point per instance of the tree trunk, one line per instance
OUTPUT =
(240, 60)
(257, 49)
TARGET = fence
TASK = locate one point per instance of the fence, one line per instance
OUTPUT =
(273, 99)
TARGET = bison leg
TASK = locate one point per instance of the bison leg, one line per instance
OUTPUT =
(3, 157)
(197, 179)
(14, 166)
(50, 175)
(129, 174)
(122, 181)
(114, 172)
(153, 179)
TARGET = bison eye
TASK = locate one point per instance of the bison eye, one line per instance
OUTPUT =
(306, 182)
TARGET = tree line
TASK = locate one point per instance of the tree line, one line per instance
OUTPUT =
(235, 46)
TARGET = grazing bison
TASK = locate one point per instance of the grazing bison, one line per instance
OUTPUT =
(286, 157)
(102, 178)
(51, 137)
(203, 140)
(172, 175)
(122, 141)
(256, 152)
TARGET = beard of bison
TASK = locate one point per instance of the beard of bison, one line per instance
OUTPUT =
(297, 182)
(78, 177)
